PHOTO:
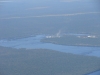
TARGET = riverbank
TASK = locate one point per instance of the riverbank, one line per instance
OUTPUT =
(94, 73)
(35, 43)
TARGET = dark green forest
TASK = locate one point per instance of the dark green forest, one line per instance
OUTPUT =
(45, 62)
(28, 18)
(25, 27)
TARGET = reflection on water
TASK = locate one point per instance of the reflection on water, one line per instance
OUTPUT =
(34, 42)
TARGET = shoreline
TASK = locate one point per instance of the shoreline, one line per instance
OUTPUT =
(93, 72)
(35, 42)
(71, 45)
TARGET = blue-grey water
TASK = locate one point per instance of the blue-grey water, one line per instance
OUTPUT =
(11, 10)
(34, 43)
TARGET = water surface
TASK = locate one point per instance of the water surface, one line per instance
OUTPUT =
(34, 43)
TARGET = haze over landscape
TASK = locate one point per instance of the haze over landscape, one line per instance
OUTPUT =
(49, 37)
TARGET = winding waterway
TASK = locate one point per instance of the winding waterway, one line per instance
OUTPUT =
(34, 43)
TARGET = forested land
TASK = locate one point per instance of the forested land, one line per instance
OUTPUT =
(25, 27)
(45, 62)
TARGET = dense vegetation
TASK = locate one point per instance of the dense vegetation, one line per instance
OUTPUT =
(45, 62)
(25, 27)
(25, 18)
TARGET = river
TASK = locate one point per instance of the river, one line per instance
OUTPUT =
(34, 43)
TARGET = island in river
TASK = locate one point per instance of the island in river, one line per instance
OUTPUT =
(48, 17)
(74, 39)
